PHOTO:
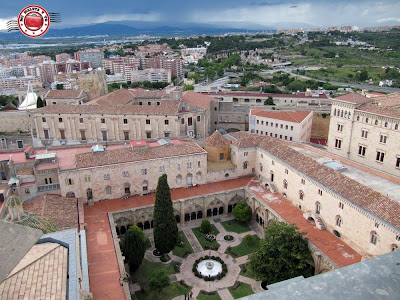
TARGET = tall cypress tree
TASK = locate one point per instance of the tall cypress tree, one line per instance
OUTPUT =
(39, 102)
(134, 247)
(165, 227)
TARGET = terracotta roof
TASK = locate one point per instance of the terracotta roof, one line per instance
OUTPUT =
(9, 106)
(249, 94)
(387, 111)
(59, 94)
(62, 211)
(168, 107)
(216, 139)
(118, 97)
(198, 100)
(125, 155)
(361, 195)
(392, 99)
(291, 116)
(353, 98)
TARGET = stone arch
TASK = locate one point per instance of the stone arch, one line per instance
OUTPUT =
(199, 176)
(178, 179)
(177, 215)
(245, 165)
(193, 212)
(189, 179)
(89, 194)
(70, 195)
(260, 216)
(217, 207)
(233, 202)
(108, 190)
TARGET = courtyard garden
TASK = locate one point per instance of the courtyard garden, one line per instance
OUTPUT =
(235, 226)
(204, 242)
(248, 245)
(183, 248)
(240, 290)
(173, 290)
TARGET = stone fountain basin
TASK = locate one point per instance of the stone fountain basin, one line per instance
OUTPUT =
(204, 267)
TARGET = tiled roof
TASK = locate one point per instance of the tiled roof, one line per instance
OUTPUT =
(353, 98)
(198, 100)
(60, 94)
(41, 274)
(393, 112)
(291, 116)
(125, 155)
(167, 107)
(62, 211)
(117, 97)
(361, 195)
(392, 99)
(250, 94)
(216, 139)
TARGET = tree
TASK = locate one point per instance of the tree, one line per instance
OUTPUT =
(242, 212)
(249, 240)
(188, 87)
(282, 254)
(269, 101)
(39, 102)
(134, 247)
(165, 228)
(205, 226)
(59, 86)
(220, 72)
(108, 71)
(159, 280)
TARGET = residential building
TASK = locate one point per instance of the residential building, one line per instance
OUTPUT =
(152, 75)
(94, 56)
(71, 97)
(174, 65)
(284, 125)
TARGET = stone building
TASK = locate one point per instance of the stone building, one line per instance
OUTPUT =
(367, 131)
(74, 97)
(287, 125)
(217, 147)
(94, 83)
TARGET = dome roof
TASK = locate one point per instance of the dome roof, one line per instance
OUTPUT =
(14, 201)
(216, 139)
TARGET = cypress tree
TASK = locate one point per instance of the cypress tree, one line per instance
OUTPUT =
(165, 227)
(134, 247)
(39, 102)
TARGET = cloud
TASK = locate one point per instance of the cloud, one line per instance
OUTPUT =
(3, 23)
(392, 19)
(113, 17)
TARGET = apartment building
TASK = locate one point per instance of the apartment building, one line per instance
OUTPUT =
(152, 75)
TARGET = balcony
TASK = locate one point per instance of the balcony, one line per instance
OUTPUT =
(48, 187)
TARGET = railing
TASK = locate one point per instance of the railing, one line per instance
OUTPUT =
(48, 187)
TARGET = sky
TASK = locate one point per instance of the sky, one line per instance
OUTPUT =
(321, 13)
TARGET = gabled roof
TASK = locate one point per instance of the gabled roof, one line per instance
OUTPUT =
(9, 106)
(198, 100)
(117, 97)
(216, 139)
(62, 94)
(353, 98)
(291, 116)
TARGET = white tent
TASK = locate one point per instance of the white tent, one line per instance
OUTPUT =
(30, 99)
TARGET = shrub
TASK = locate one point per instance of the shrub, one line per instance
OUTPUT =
(205, 226)
(249, 240)
(242, 212)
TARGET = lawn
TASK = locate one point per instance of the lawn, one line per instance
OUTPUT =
(242, 291)
(170, 292)
(147, 268)
(235, 226)
(208, 297)
(245, 270)
(202, 239)
(243, 249)
(180, 251)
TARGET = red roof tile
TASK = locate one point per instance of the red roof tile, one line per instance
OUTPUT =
(353, 98)
(250, 94)
(198, 100)
(60, 94)
(117, 97)
(291, 116)
(216, 139)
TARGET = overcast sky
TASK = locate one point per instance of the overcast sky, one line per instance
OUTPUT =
(321, 13)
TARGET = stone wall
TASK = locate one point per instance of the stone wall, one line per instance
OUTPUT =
(14, 121)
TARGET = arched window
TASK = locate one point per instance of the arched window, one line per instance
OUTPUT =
(358, 118)
(345, 114)
(179, 179)
(145, 186)
(334, 112)
(272, 176)
(189, 179)
(396, 127)
(317, 207)
(261, 167)
(386, 124)
(108, 190)
(374, 237)
(376, 122)
(199, 176)
(245, 165)
(339, 221)
(301, 193)
(366, 120)
(394, 247)
(349, 115)
(341, 114)
(285, 184)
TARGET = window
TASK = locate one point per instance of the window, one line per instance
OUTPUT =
(396, 127)
(166, 122)
(258, 122)
(317, 207)
(301, 195)
(358, 118)
(272, 124)
(339, 127)
(341, 205)
(364, 133)
(276, 125)
(380, 156)
(198, 119)
(125, 174)
(189, 165)
(144, 171)
(376, 225)
(149, 103)
(190, 121)
(320, 192)
(245, 165)
(261, 167)
(46, 134)
(3, 175)
(83, 135)
(276, 135)
(48, 181)
(221, 156)
(103, 120)
(178, 179)
(80, 120)
(104, 135)
(366, 120)
(280, 136)
(148, 135)
(338, 221)
(285, 137)
(376, 122)
(198, 164)
(386, 124)
(62, 134)
(383, 138)
(338, 143)
(108, 190)
(125, 121)
(374, 238)
(60, 120)
(167, 134)
(245, 153)
(126, 135)
(398, 162)
(303, 181)
(286, 171)
(285, 184)
(273, 163)
(158, 103)
(286, 127)
(361, 150)
(162, 169)
(69, 181)
(43, 119)
(281, 126)
(291, 127)
(272, 176)
(106, 176)
(147, 121)
(257, 131)
(290, 138)
(87, 178)
(182, 121)
(199, 176)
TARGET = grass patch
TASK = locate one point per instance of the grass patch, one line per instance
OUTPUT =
(173, 290)
(245, 270)
(208, 297)
(181, 251)
(235, 226)
(244, 249)
(202, 239)
(147, 268)
(242, 290)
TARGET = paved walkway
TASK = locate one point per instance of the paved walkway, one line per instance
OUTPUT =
(225, 294)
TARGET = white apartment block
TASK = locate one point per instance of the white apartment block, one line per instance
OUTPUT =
(367, 131)
(152, 75)
(284, 125)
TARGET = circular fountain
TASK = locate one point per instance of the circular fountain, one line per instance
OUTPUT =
(209, 268)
